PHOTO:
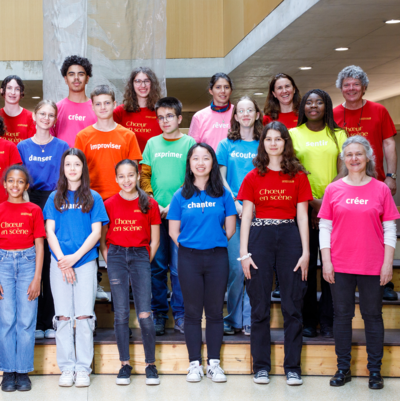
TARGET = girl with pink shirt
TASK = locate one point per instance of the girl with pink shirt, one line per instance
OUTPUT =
(357, 240)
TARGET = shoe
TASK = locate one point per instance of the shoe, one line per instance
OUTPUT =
(66, 379)
(195, 372)
(8, 384)
(82, 379)
(39, 334)
(247, 330)
(388, 292)
(293, 379)
(101, 295)
(261, 377)
(124, 375)
(375, 381)
(50, 333)
(309, 332)
(326, 332)
(215, 372)
(152, 375)
(159, 325)
(341, 378)
(180, 325)
(228, 329)
(23, 382)
(277, 292)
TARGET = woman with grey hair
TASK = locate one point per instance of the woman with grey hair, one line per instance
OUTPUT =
(357, 240)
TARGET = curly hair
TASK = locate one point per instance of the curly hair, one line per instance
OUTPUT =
(76, 60)
(19, 81)
(234, 131)
(130, 102)
(290, 164)
(352, 71)
(3, 128)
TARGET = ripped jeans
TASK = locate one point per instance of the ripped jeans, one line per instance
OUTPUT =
(74, 302)
(124, 265)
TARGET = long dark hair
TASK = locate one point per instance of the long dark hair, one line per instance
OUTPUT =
(234, 131)
(83, 196)
(272, 107)
(3, 128)
(144, 202)
(290, 164)
(328, 116)
(214, 186)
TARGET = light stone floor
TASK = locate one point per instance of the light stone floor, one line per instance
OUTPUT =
(175, 388)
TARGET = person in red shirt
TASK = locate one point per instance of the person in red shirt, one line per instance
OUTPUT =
(133, 237)
(19, 121)
(137, 112)
(279, 190)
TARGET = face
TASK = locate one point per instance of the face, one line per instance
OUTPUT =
(12, 93)
(201, 162)
(15, 184)
(284, 91)
(45, 117)
(352, 89)
(274, 143)
(142, 85)
(127, 178)
(246, 113)
(73, 168)
(355, 158)
(221, 92)
(76, 78)
(103, 106)
(168, 120)
(315, 108)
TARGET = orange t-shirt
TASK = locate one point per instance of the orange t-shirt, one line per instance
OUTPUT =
(103, 151)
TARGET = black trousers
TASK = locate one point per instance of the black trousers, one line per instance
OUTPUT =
(278, 246)
(203, 276)
(45, 300)
(371, 292)
(315, 312)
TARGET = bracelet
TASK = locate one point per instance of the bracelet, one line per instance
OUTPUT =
(244, 257)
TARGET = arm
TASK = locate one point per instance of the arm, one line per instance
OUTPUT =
(389, 148)
(34, 287)
(230, 226)
(155, 240)
(145, 179)
(103, 245)
(325, 230)
(302, 222)
(238, 206)
(174, 230)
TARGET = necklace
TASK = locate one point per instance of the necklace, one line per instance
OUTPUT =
(120, 194)
(203, 202)
(40, 144)
(344, 117)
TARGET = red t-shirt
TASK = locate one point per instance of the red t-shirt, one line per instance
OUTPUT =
(275, 194)
(9, 155)
(144, 123)
(20, 225)
(289, 119)
(375, 125)
(20, 127)
(129, 227)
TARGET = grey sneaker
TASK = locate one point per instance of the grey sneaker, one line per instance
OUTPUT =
(159, 325)
(180, 325)
(261, 377)
(228, 329)
(247, 330)
(294, 379)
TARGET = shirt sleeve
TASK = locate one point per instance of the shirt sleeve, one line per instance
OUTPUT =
(341, 138)
(49, 209)
(117, 114)
(134, 150)
(145, 179)
(65, 146)
(388, 128)
(390, 211)
(79, 143)
(31, 128)
(222, 153)
(230, 209)
(20, 148)
(246, 191)
(195, 129)
(14, 157)
(155, 217)
(266, 120)
(98, 212)
(146, 159)
(305, 193)
(38, 224)
(175, 210)
(326, 211)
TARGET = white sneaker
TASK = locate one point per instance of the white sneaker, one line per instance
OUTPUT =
(82, 379)
(66, 379)
(294, 379)
(101, 295)
(215, 372)
(195, 372)
(50, 333)
(261, 377)
(39, 334)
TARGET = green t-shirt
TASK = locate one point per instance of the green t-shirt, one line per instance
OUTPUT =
(167, 160)
(318, 154)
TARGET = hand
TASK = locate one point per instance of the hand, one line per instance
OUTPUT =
(303, 264)
(69, 274)
(33, 289)
(1, 292)
(314, 219)
(67, 261)
(391, 183)
(328, 273)
(239, 209)
(246, 267)
(164, 212)
(386, 274)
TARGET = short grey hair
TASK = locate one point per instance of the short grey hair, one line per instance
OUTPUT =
(368, 151)
(352, 71)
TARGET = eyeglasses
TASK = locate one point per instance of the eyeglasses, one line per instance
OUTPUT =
(248, 111)
(168, 117)
(44, 115)
(139, 82)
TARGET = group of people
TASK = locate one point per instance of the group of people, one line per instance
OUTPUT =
(244, 197)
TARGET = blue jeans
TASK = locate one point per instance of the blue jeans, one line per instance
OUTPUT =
(239, 309)
(166, 257)
(17, 314)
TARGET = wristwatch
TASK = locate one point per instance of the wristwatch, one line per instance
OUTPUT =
(391, 175)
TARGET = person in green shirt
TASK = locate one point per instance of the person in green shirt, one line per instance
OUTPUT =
(317, 142)
(163, 173)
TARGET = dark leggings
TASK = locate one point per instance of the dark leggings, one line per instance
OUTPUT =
(203, 276)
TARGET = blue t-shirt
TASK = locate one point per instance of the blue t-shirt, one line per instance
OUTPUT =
(44, 167)
(73, 226)
(238, 157)
(202, 230)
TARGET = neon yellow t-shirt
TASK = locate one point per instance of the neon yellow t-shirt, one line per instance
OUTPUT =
(318, 154)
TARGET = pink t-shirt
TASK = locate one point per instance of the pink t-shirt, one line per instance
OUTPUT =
(210, 127)
(72, 118)
(357, 214)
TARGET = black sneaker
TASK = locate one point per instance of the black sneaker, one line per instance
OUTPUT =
(159, 325)
(23, 382)
(389, 294)
(152, 375)
(124, 375)
(8, 384)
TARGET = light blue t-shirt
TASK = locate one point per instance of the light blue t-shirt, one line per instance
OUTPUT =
(202, 230)
(73, 226)
(238, 157)
(44, 167)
